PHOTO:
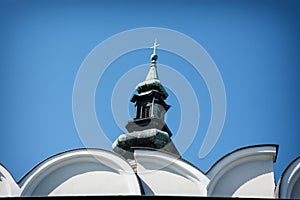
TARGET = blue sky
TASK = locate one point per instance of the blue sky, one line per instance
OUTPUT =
(255, 45)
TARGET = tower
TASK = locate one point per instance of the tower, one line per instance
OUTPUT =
(148, 129)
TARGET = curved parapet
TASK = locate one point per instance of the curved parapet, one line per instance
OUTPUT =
(246, 172)
(162, 173)
(8, 186)
(289, 183)
(81, 172)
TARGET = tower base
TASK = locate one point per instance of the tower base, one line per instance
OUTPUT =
(149, 138)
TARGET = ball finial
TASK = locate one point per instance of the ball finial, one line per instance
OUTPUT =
(154, 57)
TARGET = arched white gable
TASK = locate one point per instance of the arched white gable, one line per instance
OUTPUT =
(81, 172)
(246, 172)
(8, 186)
(289, 183)
(165, 174)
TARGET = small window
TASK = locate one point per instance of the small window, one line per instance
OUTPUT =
(138, 112)
(146, 111)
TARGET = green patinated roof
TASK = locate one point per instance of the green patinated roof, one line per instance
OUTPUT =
(152, 82)
(152, 74)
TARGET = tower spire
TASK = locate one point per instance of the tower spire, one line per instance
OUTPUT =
(148, 128)
(152, 81)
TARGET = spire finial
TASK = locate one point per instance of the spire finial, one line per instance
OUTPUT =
(155, 45)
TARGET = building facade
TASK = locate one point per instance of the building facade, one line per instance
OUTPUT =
(145, 161)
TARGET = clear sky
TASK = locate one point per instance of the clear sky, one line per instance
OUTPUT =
(254, 44)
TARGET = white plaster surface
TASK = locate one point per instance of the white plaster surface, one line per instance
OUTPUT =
(165, 174)
(8, 186)
(289, 183)
(82, 172)
(244, 173)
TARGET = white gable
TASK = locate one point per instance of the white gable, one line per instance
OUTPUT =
(165, 174)
(8, 186)
(81, 172)
(289, 183)
(246, 172)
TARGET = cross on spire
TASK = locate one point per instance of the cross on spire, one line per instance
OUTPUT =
(155, 45)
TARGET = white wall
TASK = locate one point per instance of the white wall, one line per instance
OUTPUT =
(247, 172)
(82, 172)
(289, 183)
(165, 174)
(8, 186)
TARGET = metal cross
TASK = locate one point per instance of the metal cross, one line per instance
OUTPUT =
(155, 45)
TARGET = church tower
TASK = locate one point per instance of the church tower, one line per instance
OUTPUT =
(148, 129)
